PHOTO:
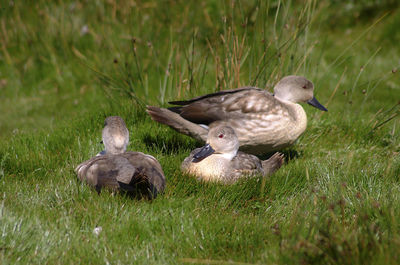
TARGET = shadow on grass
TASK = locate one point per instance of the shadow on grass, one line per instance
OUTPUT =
(169, 144)
(137, 189)
(241, 196)
(290, 154)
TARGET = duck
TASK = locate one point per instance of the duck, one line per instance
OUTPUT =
(263, 122)
(220, 161)
(134, 173)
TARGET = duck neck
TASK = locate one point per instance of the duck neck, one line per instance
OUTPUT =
(299, 118)
(228, 156)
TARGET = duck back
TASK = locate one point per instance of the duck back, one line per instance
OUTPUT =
(135, 173)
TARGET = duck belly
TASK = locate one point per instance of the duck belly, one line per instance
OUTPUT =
(209, 169)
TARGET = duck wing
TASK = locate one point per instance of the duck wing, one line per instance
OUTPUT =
(245, 165)
(228, 104)
(106, 171)
(219, 93)
(132, 172)
(149, 174)
(188, 160)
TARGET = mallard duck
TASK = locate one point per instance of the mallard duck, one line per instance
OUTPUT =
(219, 160)
(115, 168)
(263, 122)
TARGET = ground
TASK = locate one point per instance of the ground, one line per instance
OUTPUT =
(66, 65)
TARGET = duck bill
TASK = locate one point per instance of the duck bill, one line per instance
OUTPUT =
(203, 153)
(314, 102)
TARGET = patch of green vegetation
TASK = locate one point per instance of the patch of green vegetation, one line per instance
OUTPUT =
(67, 65)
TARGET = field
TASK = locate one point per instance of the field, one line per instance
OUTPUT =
(66, 65)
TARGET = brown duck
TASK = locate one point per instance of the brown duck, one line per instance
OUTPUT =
(219, 160)
(263, 122)
(115, 168)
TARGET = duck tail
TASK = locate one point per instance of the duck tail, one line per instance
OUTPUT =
(176, 122)
(273, 163)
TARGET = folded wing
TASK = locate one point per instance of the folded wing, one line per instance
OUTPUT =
(131, 172)
(228, 104)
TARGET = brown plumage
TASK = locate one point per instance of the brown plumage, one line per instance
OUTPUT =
(263, 122)
(220, 160)
(135, 173)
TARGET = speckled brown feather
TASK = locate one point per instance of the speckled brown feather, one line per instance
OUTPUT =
(263, 122)
(132, 172)
(219, 159)
(219, 93)
(242, 165)
(241, 102)
(176, 122)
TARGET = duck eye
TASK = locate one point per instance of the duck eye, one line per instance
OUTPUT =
(221, 135)
(304, 86)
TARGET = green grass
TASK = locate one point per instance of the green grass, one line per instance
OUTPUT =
(66, 65)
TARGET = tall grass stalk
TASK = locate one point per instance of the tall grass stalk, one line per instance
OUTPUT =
(66, 65)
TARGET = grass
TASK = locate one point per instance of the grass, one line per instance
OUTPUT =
(66, 66)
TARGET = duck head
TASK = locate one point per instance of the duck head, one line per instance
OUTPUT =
(115, 135)
(297, 89)
(221, 140)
